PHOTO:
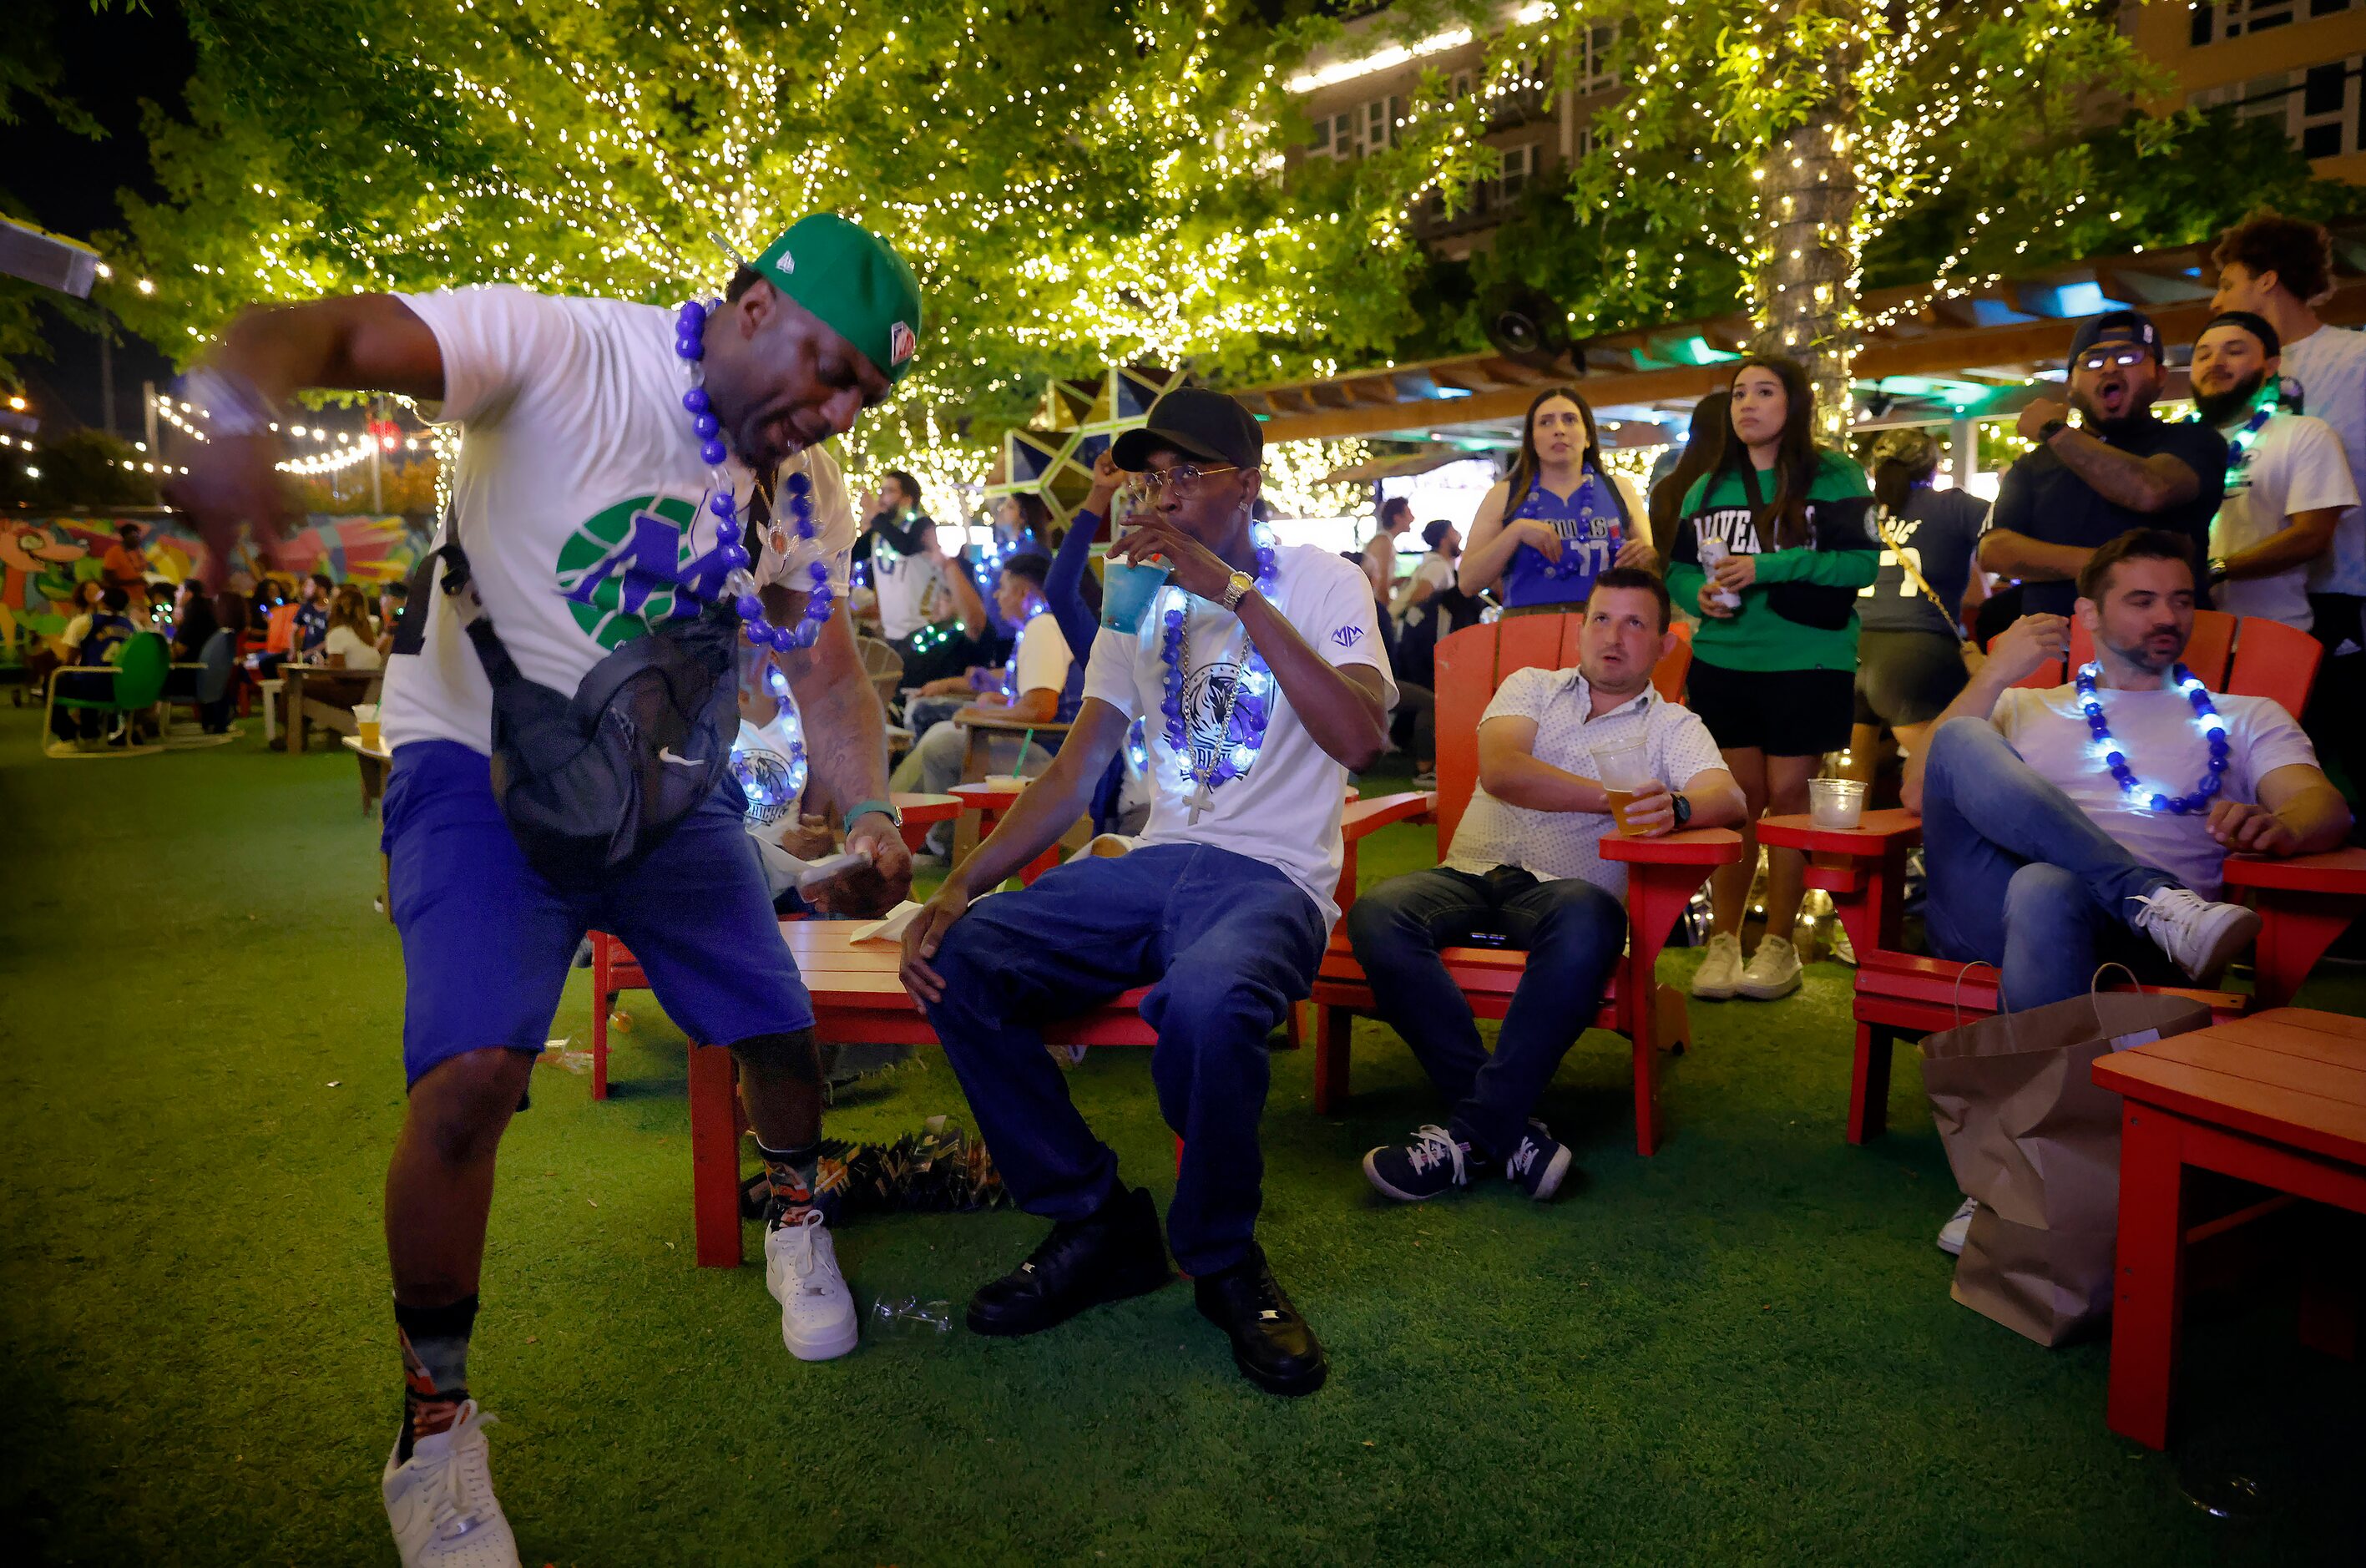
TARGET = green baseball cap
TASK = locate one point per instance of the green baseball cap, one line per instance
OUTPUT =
(852, 280)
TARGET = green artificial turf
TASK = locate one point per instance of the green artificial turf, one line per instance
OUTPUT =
(1740, 1350)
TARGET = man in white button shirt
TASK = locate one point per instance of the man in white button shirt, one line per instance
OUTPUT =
(1525, 865)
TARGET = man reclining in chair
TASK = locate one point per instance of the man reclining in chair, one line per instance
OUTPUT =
(1525, 864)
(2059, 835)
(2089, 823)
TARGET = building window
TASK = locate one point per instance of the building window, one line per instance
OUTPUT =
(1519, 166)
(2239, 18)
(1594, 72)
(2317, 106)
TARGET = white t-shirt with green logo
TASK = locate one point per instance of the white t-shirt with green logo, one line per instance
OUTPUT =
(580, 498)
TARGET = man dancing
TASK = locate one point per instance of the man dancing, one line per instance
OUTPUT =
(1260, 674)
(613, 452)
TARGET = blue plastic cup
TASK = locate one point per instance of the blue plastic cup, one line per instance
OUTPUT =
(1127, 592)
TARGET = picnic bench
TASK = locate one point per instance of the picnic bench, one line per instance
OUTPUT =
(616, 970)
(857, 998)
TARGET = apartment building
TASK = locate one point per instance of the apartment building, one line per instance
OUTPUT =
(1358, 93)
(2296, 61)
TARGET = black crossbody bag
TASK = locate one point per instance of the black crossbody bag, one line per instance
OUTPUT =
(592, 784)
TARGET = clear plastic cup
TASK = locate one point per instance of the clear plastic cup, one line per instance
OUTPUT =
(1625, 772)
(909, 1317)
(1836, 803)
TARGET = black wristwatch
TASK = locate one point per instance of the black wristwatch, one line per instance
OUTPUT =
(2050, 429)
(1684, 807)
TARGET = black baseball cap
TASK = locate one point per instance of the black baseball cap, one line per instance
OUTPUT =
(1198, 423)
(2115, 326)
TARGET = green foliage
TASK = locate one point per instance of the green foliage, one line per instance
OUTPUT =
(1075, 183)
(29, 79)
(80, 470)
(1964, 120)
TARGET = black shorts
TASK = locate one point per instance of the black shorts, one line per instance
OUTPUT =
(1907, 677)
(1784, 713)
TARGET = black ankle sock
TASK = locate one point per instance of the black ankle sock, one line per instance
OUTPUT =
(434, 1367)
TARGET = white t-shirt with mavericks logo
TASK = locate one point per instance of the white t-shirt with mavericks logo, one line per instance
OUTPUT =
(580, 497)
(1285, 810)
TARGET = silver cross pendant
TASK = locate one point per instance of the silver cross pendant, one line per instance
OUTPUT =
(1202, 800)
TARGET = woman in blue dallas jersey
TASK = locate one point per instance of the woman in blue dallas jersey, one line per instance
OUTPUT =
(1559, 520)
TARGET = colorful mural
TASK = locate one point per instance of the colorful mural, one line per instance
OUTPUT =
(42, 558)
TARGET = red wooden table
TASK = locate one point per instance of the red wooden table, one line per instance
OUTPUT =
(614, 969)
(857, 999)
(2278, 1098)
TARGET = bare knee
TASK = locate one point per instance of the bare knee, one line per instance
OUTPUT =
(460, 1107)
(792, 1058)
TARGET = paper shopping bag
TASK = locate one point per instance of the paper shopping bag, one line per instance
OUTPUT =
(2031, 1137)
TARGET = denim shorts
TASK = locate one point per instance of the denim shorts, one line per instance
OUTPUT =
(486, 942)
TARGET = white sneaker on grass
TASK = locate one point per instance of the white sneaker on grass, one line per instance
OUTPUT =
(2200, 937)
(1773, 971)
(1958, 1226)
(818, 1320)
(441, 1503)
(1720, 968)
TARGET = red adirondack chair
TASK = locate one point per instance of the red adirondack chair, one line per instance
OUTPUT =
(2303, 903)
(1662, 873)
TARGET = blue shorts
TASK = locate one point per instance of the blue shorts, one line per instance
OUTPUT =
(486, 942)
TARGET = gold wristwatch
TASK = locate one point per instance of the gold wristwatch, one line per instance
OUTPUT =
(1236, 589)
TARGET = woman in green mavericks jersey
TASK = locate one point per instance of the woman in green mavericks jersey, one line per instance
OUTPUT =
(1771, 549)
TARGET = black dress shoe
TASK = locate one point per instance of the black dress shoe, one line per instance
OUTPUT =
(1271, 1344)
(1117, 1253)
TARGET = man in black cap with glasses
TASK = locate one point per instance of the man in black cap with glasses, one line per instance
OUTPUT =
(1259, 670)
(2119, 467)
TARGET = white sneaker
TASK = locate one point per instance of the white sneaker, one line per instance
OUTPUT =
(1958, 1226)
(1842, 950)
(2200, 936)
(440, 1501)
(1773, 971)
(1720, 968)
(818, 1320)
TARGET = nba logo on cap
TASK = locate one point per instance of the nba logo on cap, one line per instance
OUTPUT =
(900, 343)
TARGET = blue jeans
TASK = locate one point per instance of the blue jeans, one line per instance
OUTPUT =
(2022, 878)
(1572, 932)
(1231, 944)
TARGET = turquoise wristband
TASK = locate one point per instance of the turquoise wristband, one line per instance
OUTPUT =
(864, 807)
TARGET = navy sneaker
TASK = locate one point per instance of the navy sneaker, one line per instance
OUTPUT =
(1434, 1162)
(1540, 1164)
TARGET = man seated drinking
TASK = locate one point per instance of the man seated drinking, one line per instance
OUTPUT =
(2088, 823)
(1524, 863)
(1260, 672)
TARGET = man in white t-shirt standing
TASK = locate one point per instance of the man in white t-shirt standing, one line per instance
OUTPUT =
(2278, 268)
(2046, 856)
(1527, 864)
(1037, 683)
(1259, 673)
(2287, 482)
(619, 462)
